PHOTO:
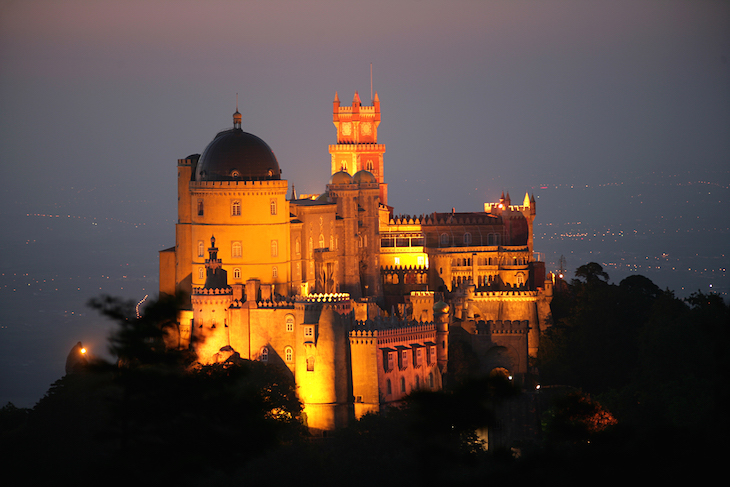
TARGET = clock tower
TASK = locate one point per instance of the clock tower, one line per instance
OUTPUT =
(357, 145)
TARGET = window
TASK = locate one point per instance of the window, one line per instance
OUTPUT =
(430, 380)
(264, 357)
(321, 241)
(236, 250)
(272, 206)
(289, 323)
(237, 273)
(419, 356)
(467, 238)
(201, 248)
(444, 239)
(298, 246)
(520, 279)
(274, 248)
(432, 355)
(201, 272)
(310, 364)
(311, 247)
(369, 165)
(274, 272)
(308, 332)
(391, 361)
(397, 261)
(388, 387)
(289, 354)
(403, 384)
(236, 208)
(200, 207)
(421, 261)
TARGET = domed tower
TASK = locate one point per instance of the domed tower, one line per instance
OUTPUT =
(233, 190)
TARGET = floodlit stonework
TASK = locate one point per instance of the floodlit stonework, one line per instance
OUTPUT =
(358, 303)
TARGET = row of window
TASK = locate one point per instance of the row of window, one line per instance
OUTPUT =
(417, 385)
(492, 239)
(237, 249)
(236, 207)
(288, 354)
(417, 355)
(467, 261)
(237, 272)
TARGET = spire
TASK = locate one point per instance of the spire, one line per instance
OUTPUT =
(526, 202)
(337, 98)
(236, 116)
(293, 192)
(356, 100)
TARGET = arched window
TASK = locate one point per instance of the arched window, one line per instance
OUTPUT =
(298, 246)
(264, 354)
(311, 247)
(321, 241)
(201, 272)
(272, 206)
(201, 248)
(274, 248)
(369, 165)
(237, 273)
(289, 323)
(289, 354)
(444, 239)
(200, 207)
(467, 238)
(236, 208)
(236, 249)
(274, 272)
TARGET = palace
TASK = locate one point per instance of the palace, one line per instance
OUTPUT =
(358, 303)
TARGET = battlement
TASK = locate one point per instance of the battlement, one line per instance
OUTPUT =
(423, 294)
(505, 295)
(363, 337)
(365, 146)
(396, 268)
(240, 184)
(323, 298)
(501, 327)
(201, 291)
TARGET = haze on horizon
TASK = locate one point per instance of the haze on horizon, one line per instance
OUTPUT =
(614, 114)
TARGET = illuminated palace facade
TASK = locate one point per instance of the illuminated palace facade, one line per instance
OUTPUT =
(357, 303)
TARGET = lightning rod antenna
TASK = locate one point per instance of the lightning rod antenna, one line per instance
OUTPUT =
(371, 83)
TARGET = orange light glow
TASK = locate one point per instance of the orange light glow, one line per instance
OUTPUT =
(83, 350)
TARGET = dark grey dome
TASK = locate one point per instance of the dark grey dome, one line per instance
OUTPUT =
(237, 155)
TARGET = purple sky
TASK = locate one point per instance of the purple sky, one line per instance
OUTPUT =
(620, 109)
(477, 96)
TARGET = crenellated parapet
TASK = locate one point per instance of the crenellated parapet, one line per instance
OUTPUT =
(505, 295)
(503, 327)
(201, 291)
(316, 302)
(363, 337)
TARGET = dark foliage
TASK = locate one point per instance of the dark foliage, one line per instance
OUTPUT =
(655, 361)
(152, 417)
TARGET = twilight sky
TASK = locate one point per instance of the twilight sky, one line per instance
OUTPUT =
(611, 112)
